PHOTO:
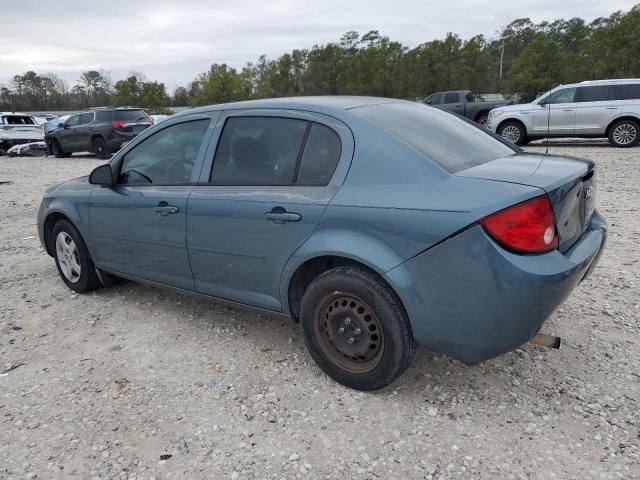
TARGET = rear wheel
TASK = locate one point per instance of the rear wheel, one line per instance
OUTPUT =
(513, 132)
(73, 261)
(100, 148)
(355, 328)
(624, 133)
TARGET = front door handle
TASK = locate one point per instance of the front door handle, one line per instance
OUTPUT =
(163, 209)
(567, 109)
(280, 215)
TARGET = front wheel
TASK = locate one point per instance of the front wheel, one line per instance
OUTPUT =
(624, 133)
(513, 132)
(482, 120)
(57, 150)
(73, 261)
(356, 329)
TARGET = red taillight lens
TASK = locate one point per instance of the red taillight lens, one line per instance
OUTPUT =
(118, 124)
(527, 227)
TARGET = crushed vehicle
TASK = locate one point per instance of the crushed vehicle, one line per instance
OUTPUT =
(16, 129)
(33, 149)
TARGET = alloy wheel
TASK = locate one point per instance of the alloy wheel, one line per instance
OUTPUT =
(511, 133)
(625, 133)
(68, 257)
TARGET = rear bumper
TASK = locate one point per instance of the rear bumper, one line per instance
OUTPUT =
(473, 300)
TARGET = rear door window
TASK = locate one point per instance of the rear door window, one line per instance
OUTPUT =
(104, 116)
(258, 151)
(629, 91)
(596, 93)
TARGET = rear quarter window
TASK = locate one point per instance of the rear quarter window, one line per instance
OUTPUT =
(450, 142)
(628, 91)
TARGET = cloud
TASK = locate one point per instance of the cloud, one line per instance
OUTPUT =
(174, 41)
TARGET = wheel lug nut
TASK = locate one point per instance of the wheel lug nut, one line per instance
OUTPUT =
(347, 321)
(358, 331)
(341, 330)
(351, 340)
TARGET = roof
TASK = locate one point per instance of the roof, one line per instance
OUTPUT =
(319, 103)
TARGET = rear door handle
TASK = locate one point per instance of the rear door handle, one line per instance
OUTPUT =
(567, 109)
(281, 215)
(611, 108)
(163, 209)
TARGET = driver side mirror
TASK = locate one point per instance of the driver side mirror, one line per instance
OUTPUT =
(543, 103)
(102, 175)
(62, 125)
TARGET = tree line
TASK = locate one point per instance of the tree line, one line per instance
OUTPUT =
(524, 58)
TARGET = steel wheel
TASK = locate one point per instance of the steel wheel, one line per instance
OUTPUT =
(625, 134)
(68, 257)
(349, 333)
(511, 133)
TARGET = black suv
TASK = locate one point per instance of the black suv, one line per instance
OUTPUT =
(99, 130)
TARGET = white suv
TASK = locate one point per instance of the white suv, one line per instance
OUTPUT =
(599, 108)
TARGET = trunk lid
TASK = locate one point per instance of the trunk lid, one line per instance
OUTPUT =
(569, 182)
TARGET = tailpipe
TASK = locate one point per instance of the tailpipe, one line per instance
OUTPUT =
(548, 341)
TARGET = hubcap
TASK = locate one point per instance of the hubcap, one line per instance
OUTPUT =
(68, 257)
(349, 333)
(511, 133)
(624, 134)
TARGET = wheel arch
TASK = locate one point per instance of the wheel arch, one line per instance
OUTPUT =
(623, 116)
(312, 267)
(53, 216)
(513, 120)
(480, 114)
(49, 224)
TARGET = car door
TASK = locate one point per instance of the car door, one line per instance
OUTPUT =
(67, 136)
(596, 106)
(82, 132)
(260, 197)
(453, 102)
(139, 225)
(557, 114)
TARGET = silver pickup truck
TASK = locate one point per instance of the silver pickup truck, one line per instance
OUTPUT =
(16, 129)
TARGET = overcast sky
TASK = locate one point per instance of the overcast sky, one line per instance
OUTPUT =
(172, 41)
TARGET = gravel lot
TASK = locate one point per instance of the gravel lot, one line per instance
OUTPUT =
(134, 382)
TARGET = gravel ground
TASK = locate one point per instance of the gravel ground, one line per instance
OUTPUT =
(134, 382)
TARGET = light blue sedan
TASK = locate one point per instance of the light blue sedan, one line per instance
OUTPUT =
(375, 223)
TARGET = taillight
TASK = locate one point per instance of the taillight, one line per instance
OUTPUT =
(526, 227)
(118, 124)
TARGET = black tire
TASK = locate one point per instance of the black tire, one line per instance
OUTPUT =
(57, 150)
(100, 148)
(507, 131)
(624, 133)
(359, 294)
(87, 280)
(482, 120)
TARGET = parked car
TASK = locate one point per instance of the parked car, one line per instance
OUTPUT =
(375, 223)
(464, 103)
(100, 130)
(601, 108)
(16, 129)
(33, 149)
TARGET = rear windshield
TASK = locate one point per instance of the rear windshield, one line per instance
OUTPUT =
(130, 115)
(18, 120)
(446, 139)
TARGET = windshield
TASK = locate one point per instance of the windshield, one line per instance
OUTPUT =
(451, 142)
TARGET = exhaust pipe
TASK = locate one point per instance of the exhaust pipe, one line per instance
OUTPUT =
(548, 341)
